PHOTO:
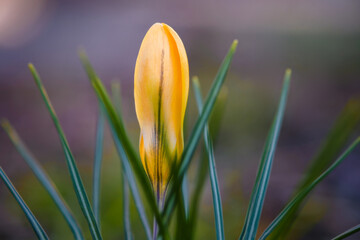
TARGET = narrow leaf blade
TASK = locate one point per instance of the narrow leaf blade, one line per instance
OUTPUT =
(39, 231)
(339, 135)
(347, 233)
(219, 222)
(127, 171)
(203, 166)
(303, 193)
(126, 211)
(73, 170)
(198, 130)
(122, 143)
(185, 195)
(259, 191)
(97, 165)
(115, 89)
(43, 178)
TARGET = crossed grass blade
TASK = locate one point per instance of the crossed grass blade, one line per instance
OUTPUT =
(219, 221)
(97, 165)
(73, 170)
(345, 125)
(127, 171)
(259, 191)
(303, 193)
(120, 136)
(203, 165)
(39, 231)
(115, 90)
(44, 179)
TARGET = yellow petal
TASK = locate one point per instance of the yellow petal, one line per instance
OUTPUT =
(161, 85)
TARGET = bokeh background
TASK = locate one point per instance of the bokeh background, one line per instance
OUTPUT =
(319, 40)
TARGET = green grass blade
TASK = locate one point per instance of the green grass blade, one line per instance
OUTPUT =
(118, 126)
(126, 211)
(202, 172)
(259, 191)
(181, 222)
(198, 130)
(182, 211)
(116, 96)
(73, 170)
(303, 193)
(123, 144)
(39, 231)
(185, 195)
(344, 127)
(44, 179)
(219, 222)
(203, 166)
(97, 165)
(127, 171)
(348, 233)
(115, 89)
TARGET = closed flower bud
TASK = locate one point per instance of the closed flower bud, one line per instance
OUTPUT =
(161, 85)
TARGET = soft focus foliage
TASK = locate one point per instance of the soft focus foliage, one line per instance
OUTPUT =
(318, 40)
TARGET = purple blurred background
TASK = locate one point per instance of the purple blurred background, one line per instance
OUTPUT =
(319, 40)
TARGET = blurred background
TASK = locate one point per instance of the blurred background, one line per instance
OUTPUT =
(319, 40)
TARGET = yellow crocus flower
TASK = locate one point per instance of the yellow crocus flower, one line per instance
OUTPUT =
(161, 85)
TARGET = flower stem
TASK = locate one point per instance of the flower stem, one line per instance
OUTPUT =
(160, 202)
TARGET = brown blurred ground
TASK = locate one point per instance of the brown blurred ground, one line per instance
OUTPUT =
(319, 40)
